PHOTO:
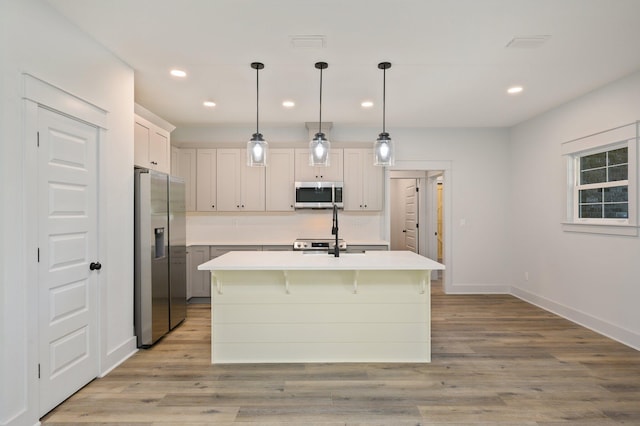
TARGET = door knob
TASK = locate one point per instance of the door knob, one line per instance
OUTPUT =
(95, 266)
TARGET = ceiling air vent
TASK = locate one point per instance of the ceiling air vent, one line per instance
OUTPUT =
(528, 42)
(308, 41)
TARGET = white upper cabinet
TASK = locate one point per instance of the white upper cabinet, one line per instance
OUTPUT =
(306, 173)
(183, 164)
(151, 145)
(239, 187)
(206, 178)
(280, 180)
(363, 182)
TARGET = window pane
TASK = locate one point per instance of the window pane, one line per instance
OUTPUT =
(591, 210)
(618, 173)
(616, 211)
(593, 176)
(593, 161)
(591, 195)
(618, 156)
(616, 194)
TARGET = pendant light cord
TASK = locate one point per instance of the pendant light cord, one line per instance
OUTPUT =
(320, 122)
(257, 99)
(384, 96)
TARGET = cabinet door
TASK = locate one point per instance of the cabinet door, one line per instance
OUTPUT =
(186, 165)
(306, 173)
(141, 134)
(252, 185)
(333, 173)
(372, 182)
(303, 171)
(280, 180)
(159, 151)
(353, 197)
(228, 182)
(199, 282)
(206, 185)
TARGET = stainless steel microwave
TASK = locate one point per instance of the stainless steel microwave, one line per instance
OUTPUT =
(318, 195)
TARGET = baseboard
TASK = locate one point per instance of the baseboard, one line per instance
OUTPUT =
(478, 289)
(119, 355)
(622, 335)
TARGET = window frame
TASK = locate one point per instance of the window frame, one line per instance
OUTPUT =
(620, 137)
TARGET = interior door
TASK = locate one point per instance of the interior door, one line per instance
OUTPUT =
(411, 216)
(67, 246)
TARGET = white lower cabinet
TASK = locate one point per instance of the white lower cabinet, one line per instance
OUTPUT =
(198, 282)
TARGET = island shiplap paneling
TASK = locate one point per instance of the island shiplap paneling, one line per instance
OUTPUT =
(324, 317)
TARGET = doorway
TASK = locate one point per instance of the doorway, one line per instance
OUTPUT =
(417, 213)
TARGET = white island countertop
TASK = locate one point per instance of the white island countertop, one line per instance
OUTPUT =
(297, 260)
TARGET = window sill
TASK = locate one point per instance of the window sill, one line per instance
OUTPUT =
(603, 229)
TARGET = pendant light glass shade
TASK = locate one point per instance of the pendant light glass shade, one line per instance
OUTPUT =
(257, 146)
(257, 151)
(319, 145)
(319, 150)
(383, 152)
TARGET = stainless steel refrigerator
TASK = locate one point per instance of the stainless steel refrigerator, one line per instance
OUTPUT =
(160, 255)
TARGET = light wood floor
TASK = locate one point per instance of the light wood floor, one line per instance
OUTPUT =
(496, 360)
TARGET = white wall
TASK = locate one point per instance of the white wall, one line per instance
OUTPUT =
(478, 187)
(36, 40)
(591, 279)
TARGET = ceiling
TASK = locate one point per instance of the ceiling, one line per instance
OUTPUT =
(451, 66)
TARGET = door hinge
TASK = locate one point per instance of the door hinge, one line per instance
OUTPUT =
(417, 189)
(38, 139)
(38, 371)
(417, 225)
(38, 254)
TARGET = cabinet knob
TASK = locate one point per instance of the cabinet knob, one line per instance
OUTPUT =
(213, 206)
(365, 206)
(237, 206)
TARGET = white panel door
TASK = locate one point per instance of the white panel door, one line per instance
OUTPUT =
(67, 245)
(411, 216)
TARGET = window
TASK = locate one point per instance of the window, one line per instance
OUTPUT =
(602, 185)
(602, 182)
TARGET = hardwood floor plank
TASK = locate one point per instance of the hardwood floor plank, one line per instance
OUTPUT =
(496, 360)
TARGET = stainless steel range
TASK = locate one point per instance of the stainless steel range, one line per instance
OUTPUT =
(319, 245)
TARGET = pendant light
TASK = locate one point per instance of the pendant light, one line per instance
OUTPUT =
(319, 145)
(383, 154)
(257, 146)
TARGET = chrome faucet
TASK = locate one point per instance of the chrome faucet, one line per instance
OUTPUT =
(334, 231)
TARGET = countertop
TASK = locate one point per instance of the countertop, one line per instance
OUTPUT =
(295, 260)
(272, 242)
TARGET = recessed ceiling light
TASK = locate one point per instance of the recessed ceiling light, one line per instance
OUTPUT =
(288, 104)
(178, 73)
(366, 104)
(514, 90)
(209, 104)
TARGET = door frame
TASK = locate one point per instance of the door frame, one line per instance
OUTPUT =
(41, 94)
(425, 166)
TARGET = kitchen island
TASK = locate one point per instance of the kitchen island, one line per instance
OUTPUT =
(297, 307)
